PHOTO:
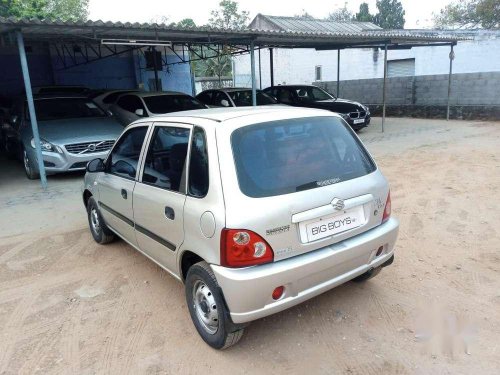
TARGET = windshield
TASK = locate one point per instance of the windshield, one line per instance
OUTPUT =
(65, 108)
(243, 98)
(286, 156)
(313, 94)
(171, 103)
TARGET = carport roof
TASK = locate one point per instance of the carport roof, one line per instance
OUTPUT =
(50, 30)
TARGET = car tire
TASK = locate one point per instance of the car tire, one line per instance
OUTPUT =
(370, 274)
(208, 310)
(101, 233)
(29, 167)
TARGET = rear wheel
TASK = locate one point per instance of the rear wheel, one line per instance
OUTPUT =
(368, 275)
(29, 167)
(207, 308)
(98, 228)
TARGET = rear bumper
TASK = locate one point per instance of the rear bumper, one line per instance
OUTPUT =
(248, 290)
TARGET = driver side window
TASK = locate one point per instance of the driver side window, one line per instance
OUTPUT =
(124, 158)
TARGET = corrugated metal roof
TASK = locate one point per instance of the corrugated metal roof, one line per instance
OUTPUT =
(296, 24)
(95, 30)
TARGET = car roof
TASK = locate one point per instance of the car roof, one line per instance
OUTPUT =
(145, 94)
(291, 86)
(233, 89)
(59, 96)
(218, 115)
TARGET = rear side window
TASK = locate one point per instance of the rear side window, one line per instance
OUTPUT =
(286, 156)
(164, 166)
(198, 168)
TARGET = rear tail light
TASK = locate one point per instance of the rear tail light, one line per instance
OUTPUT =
(243, 248)
(387, 209)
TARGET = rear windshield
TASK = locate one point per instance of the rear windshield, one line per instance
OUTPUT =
(171, 103)
(64, 108)
(286, 156)
(244, 98)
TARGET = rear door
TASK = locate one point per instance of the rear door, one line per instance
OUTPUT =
(160, 194)
(116, 185)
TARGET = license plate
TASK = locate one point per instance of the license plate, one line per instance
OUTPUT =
(359, 121)
(336, 224)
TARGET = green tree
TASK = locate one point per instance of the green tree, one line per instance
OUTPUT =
(341, 15)
(186, 22)
(66, 10)
(219, 63)
(364, 13)
(304, 15)
(469, 14)
(228, 16)
(391, 14)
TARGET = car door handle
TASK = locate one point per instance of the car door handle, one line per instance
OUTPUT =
(169, 213)
(124, 194)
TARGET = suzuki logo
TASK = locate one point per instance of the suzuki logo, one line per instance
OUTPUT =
(338, 204)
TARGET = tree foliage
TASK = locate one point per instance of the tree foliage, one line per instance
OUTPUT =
(66, 10)
(364, 13)
(469, 14)
(391, 14)
(186, 22)
(341, 15)
(228, 16)
(304, 15)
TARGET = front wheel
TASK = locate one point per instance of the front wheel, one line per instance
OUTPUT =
(98, 227)
(207, 308)
(29, 167)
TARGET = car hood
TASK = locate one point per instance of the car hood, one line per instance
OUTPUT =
(339, 105)
(80, 130)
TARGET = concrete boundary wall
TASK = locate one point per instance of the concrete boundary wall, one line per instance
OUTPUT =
(473, 95)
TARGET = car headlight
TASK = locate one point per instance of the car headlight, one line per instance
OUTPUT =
(46, 146)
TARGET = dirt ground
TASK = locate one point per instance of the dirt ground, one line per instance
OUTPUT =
(70, 306)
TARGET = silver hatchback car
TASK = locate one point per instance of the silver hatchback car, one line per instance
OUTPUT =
(255, 210)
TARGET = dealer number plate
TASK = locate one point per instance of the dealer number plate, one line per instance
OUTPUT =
(336, 224)
(359, 121)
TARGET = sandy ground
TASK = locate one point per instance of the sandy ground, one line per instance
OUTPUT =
(69, 306)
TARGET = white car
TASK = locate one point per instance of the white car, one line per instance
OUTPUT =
(133, 106)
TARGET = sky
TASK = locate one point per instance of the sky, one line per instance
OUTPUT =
(418, 12)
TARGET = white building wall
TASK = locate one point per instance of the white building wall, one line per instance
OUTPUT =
(297, 66)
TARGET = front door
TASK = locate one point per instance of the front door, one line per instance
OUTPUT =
(116, 185)
(160, 194)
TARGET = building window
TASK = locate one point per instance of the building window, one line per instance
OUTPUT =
(401, 68)
(318, 76)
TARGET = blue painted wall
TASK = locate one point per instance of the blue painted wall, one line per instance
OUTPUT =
(11, 79)
(173, 78)
(121, 72)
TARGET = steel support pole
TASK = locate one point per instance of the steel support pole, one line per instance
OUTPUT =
(452, 56)
(385, 87)
(31, 108)
(271, 64)
(155, 65)
(260, 71)
(338, 73)
(252, 64)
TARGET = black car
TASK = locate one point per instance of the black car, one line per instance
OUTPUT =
(233, 97)
(356, 114)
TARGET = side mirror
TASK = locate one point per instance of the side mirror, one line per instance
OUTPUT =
(14, 119)
(96, 165)
(139, 112)
(224, 103)
(123, 167)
